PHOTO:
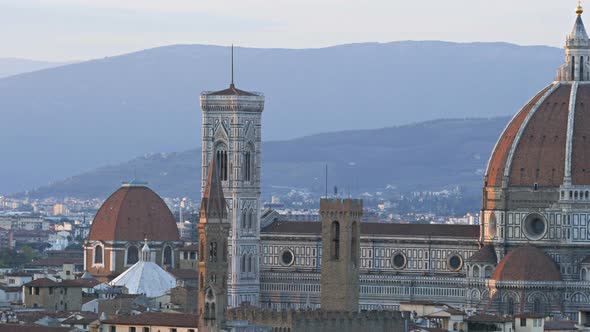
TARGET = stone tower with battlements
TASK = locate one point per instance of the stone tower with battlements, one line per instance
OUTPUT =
(341, 226)
(213, 230)
(232, 136)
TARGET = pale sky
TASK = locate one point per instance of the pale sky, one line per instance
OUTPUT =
(85, 29)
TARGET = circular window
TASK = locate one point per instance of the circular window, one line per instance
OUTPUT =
(455, 262)
(534, 226)
(399, 260)
(287, 257)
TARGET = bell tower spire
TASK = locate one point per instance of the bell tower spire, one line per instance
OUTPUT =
(577, 52)
(232, 66)
(231, 165)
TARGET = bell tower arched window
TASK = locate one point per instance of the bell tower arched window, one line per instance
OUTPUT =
(213, 252)
(248, 162)
(221, 160)
(98, 254)
(247, 166)
(335, 232)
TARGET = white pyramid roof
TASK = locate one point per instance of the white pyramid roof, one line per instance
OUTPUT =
(145, 277)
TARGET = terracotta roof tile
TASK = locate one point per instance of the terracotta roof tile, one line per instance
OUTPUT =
(213, 205)
(41, 282)
(497, 162)
(581, 137)
(45, 282)
(133, 213)
(487, 254)
(527, 263)
(540, 154)
(33, 328)
(231, 91)
(485, 318)
(184, 274)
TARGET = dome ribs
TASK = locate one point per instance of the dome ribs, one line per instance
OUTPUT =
(540, 152)
(132, 214)
(580, 160)
(498, 159)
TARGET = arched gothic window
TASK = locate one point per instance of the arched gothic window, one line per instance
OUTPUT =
(250, 218)
(213, 310)
(583, 275)
(167, 260)
(249, 263)
(335, 240)
(213, 252)
(475, 271)
(537, 306)
(132, 255)
(243, 264)
(248, 163)
(573, 66)
(98, 254)
(488, 271)
(510, 306)
(222, 161)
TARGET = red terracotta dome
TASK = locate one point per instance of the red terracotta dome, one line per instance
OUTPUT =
(133, 213)
(527, 263)
(547, 142)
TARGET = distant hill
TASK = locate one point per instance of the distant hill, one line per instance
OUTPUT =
(14, 66)
(75, 118)
(428, 155)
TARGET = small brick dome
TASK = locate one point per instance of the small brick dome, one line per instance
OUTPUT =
(527, 263)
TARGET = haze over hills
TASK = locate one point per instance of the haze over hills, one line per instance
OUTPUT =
(75, 118)
(429, 155)
(14, 66)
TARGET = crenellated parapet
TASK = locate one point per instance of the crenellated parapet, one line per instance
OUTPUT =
(338, 206)
(318, 320)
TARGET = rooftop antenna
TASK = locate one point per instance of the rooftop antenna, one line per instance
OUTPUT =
(232, 65)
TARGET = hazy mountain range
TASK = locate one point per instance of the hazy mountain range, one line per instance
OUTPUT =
(430, 155)
(71, 119)
(14, 66)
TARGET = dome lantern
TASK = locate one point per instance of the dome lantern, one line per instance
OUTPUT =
(577, 52)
